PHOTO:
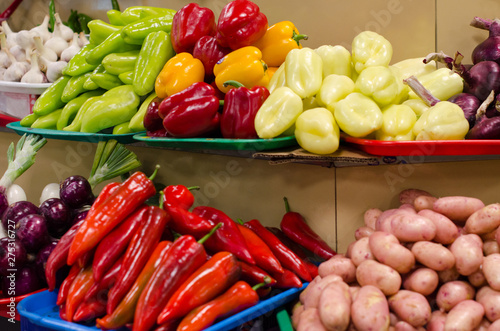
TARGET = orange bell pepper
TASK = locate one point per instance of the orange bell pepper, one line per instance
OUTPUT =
(179, 72)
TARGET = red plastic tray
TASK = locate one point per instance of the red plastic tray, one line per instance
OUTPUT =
(425, 147)
(4, 301)
(6, 119)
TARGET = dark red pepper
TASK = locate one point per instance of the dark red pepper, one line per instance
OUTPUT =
(191, 112)
(152, 120)
(240, 107)
(209, 51)
(296, 228)
(179, 195)
(138, 252)
(62, 295)
(189, 24)
(288, 279)
(90, 309)
(288, 259)
(185, 222)
(107, 281)
(228, 238)
(255, 275)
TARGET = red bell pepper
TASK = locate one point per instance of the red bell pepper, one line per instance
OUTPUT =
(209, 51)
(240, 24)
(237, 298)
(189, 24)
(106, 216)
(191, 112)
(124, 312)
(77, 291)
(214, 277)
(185, 222)
(184, 257)
(260, 251)
(228, 238)
(296, 228)
(255, 275)
(62, 295)
(240, 107)
(57, 258)
(138, 252)
(288, 259)
(179, 195)
(152, 121)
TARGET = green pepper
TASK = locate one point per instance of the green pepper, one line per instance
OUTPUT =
(89, 84)
(28, 120)
(74, 87)
(100, 30)
(137, 122)
(71, 109)
(114, 43)
(84, 20)
(127, 78)
(76, 124)
(155, 52)
(105, 80)
(136, 32)
(122, 128)
(118, 63)
(134, 13)
(78, 65)
(50, 99)
(114, 107)
(48, 121)
(115, 17)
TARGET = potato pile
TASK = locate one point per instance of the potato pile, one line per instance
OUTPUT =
(431, 264)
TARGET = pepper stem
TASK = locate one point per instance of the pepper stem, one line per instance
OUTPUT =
(208, 235)
(233, 83)
(162, 194)
(298, 37)
(191, 188)
(240, 221)
(267, 280)
(221, 102)
(421, 91)
(153, 175)
(287, 205)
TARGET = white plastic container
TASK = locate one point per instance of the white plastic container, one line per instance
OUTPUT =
(17, 99)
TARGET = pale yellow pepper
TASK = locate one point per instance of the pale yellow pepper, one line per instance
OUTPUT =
(443, 121)
(370, 49)
(334, 88)
(379, 83)
(304, 72)
(442, 83)
(398, 122)
(415, 67)
(358, 115)
(317, 131)
(336, 60)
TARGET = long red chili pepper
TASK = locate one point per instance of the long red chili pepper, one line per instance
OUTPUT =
(185, 222)
(57, 259)
(124, 313)
(90, 309)
(10, 10)
(183, 258)
(260, 251)
(107, 280)
(237, 298)
(255, 275)
(287, 279)
(62, 312)
(138, 252)
(210, 280)
(288, 259)
(228, 238)
(179, 195)
(106, 216)
(77, 291)
(116, 242)
(62, 295)
(296, 228)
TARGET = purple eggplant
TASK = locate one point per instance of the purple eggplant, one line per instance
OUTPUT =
(13, 255)
(16, 211)
(22, 282)
(469, 104)
(32, 232)
(41, 259)
(489, 49)
(76, 191)
(58, 216)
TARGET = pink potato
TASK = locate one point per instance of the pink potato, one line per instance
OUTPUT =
(484, 220)
(465, 316)
(436, 323)
(448, 275)
(489, 236)
(477, 279)
(495, 326)
(353, 290)
(424, 202)
(408, 227)
(491, 270)
(490, 299)
(374, 273)
(360, 251)
(409, 195)
(310, 296)
(362, 232)
(370, 217)
(433, 255)
(421, 280)
(335, 306)
(446, 230)
(452, 293)
(297, 309)
(484, 325)
(457, 208)
(468, 252)
(491, 247)
(309, 321)
(370, 310)
(383, 222)
(338, 265)
(411, 307)
(386, 249)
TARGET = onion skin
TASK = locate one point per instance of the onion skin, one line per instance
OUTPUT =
(469, 104)
(485, 128)
(489, 49)
(482, 78)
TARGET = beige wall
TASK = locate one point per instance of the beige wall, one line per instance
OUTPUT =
(332, 200)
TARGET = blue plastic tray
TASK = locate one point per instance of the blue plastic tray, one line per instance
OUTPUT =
(39, 312)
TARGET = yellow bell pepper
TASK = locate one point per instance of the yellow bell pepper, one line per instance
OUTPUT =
(304, 72)
(179, 72)
(414, 67)
(443, 121)
(334, 88)
(336, 60)
(279, 39)
(417, 105)
(370, 49)
(397, 125)
(358, 115)
(379, 83)
(442, 83)
(243, 65)
(317, 131)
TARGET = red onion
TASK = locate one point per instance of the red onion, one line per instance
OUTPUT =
(489, 49)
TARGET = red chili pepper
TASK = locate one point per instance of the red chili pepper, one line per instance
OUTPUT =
(179, 196)
(184, 257)
(169, 326)
(186, 222)
(189, 24)
(115, 243)
(85, 259)
(107, 281)
(255, 275)
(296, 228)
(260, 251)
(228, 238)
(138, 252)
(210, 280)
(106, 216)
(288, 279)
(62, 295)
(237, 298)
(10, 10)
(77, 291)
(208, 51)
(240, 107)
(288, 259)
(90, 309)
(124, 312)
(57, 258)
(240, 24)
(191, 112)
(62, 312)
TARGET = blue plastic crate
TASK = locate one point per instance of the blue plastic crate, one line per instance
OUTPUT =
(39, 312)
